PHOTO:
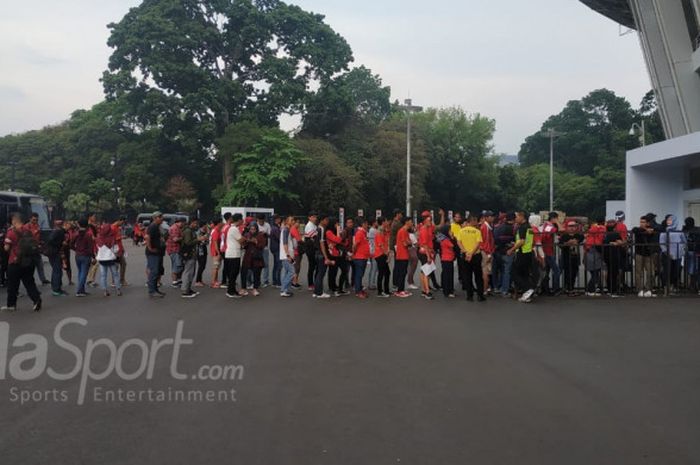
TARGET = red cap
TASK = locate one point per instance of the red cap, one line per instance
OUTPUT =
(425, 214)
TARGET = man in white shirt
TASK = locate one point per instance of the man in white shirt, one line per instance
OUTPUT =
(232, 255)
(264, 227)
(288, 247)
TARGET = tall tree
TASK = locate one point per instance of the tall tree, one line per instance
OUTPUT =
(193, 67)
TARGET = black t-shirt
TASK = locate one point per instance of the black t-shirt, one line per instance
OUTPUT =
(154, 237)
(645, 243)
(571, 250)
(504, 237)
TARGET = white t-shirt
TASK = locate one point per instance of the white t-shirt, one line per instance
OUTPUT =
(267, 229)
(287, 238)
(233, 246)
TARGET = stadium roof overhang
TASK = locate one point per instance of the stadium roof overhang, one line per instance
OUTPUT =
(617, 10)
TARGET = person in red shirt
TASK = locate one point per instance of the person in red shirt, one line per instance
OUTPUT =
(228, 221)
(121, 253)
(296, 234)
(19, 268)
(488, 248)
(360, 254)
(447, 259)
(403, 242)
(426, 254)
(214, 251)
(593, 247)
(336, 249)
(381, 257)
(550, 231)
(35, 229)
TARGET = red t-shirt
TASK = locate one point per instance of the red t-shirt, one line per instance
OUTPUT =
(487, 243)
(224, 233)
(595, 236)
(333, 241)
(425, 238)
(12, 239)
(381, 244)
(447, 250)
(621, 228)
(401, 249)
(35, 229)
(297, 236)
(214, 241)
(118, 236)
(361, 245)
(549, 231)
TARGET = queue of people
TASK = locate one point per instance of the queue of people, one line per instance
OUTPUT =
(509, 254)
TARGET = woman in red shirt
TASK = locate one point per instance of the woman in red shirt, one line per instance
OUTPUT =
(336, 249)
(381, 256)
(403, 242)
(447, 259)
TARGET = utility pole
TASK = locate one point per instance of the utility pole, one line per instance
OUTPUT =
(552, 134)
(409, 108)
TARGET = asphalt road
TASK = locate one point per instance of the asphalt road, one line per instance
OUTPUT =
(562, 381)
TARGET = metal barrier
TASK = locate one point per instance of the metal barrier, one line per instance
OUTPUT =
(668, 267)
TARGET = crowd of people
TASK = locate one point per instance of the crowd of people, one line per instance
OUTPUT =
(506, 254)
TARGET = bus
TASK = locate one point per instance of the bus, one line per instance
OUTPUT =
(26, 204)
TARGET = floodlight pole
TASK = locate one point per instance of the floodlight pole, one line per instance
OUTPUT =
(409, 108)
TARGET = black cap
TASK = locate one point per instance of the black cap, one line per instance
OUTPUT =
(553, 215)
(487, 213)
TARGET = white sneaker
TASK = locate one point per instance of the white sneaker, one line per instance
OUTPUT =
(413, 287)
(641, 294)
(323, 296)
(528, 294)
(649, 294)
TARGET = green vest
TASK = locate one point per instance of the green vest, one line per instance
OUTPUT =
(529, 241)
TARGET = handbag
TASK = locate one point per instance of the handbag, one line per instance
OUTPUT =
(106, 254)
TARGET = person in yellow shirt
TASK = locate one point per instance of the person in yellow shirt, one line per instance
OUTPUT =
(455, 228)
(469, 241)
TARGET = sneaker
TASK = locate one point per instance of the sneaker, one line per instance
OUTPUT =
(58, 294)
(249, 287)
(256, 293)
(37, 306)
(286, 294)
(322, 296)
(81, 294)
(296, 286)
(427, 295)
(8, 309)
(641, 294)
(311, 288)
(341, 293)
(525, 300)
(242, 293)
(412, 287)
(361, 295)
(649, 294)
(265, 285)
(528, 294)
(175, 284)
(189, 295)
(451, 296)
(383, 296)
(616, 296)
(233, 296)
(200, 284)
(402, 295)
(119, 293)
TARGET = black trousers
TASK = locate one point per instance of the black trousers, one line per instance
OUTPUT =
(25, 275)
(201, 265)
(311, 257)
(447, 277)
(233, 268)
(472, 273)
(320, 274)
(523, 271)
(383, 274)
(400, 272)
(341, 266)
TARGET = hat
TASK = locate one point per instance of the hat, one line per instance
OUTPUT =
(487, 213)
(553, 215)
(425, 214)
(157, 214)
(619, 215)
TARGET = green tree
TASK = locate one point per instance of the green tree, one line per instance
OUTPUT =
(193, 67)
(77, 204)
(262, 168)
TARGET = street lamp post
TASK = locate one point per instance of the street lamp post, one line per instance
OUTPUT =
(409, 108)
(642, 133)
(552, 134)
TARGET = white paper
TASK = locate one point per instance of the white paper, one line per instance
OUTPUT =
(428, 268)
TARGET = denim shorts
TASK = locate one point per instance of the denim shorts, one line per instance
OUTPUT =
(176, 261)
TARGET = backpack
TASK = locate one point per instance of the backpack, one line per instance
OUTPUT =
(27, 249)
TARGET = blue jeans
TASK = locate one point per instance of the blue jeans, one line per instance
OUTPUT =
(153, 268)
(553, 268)
(82, 262)
(360, 266)
(276, 268)
(505, 267)
(320, 274)
(287, 273)
(373, 271)
(266, 269)
(56, 273)
(114, 270)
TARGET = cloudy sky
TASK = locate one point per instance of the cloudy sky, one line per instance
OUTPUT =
(515, 61)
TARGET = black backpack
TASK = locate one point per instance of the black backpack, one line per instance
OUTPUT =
(27, 250)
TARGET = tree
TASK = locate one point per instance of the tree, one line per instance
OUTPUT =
(181, 194)
(262, 165)
(193, 67)
(77, 204)
(353, 97)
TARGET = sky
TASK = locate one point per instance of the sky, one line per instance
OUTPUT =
(515, 61)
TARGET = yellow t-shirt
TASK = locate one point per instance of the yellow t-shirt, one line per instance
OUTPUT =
(469, 237)
(455, 229)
